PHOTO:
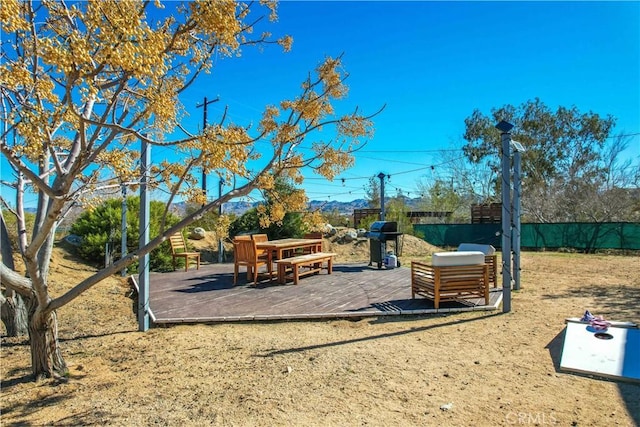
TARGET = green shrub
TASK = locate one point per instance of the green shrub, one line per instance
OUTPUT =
(367, 221)
(248, 223)
(208, 221)
(102, 225)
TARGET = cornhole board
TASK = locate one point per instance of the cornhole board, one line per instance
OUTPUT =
(616, 355)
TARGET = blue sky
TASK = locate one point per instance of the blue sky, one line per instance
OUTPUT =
(432, 64)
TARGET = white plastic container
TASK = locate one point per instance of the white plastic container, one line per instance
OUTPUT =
(390, 260)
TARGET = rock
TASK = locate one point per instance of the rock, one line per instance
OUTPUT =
(447, 406)
(362, 232)
(329, 230)
(350, 236)
(74, 239)
(198, 233)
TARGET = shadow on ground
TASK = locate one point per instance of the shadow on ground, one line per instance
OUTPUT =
(617, 302)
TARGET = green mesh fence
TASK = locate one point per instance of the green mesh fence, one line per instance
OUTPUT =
(582, 236)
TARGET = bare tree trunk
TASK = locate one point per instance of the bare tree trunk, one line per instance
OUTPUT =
(13, 313)
(46, 358)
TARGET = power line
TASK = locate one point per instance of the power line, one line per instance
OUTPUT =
(389, 160)
(407, 151)
(623, 135)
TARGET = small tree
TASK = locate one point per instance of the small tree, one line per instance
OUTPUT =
(455, 184)
(372, 193)
(83, 84)
(397, 211)
(442, 196)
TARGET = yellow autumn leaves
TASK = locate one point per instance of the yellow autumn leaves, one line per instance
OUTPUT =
(11, 16)
(92, 78)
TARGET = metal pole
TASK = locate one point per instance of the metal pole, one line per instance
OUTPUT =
(506, 221)
(517, 186)
(220, 246)
(143, 267)
(123, 229)
(382, 214)
(204, 105)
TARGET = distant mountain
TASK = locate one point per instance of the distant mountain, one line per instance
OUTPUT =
(341, 207)
(344, 208)
(348, 207)
(239, 208)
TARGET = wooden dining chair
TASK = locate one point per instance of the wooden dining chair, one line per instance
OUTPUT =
(245, 255)
(317, 235)
(260, 237)
(179, 250)
(262, 253)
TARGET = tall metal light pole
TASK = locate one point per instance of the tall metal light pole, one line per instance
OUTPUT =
(505, 137)
(382, 214)
(204, 105)
(517, 192)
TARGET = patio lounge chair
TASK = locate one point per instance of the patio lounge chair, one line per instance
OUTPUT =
(451, 276)
(490, 258)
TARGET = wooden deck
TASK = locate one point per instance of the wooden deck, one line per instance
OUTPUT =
(353, 290)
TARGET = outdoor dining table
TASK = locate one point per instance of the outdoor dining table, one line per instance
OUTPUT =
(281, 247)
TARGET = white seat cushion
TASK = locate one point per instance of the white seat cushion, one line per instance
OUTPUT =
(485, 249)
(446, 259)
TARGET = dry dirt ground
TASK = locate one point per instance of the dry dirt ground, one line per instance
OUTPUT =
(471, 369)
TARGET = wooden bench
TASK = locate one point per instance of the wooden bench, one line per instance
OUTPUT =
(451, 282)
(298, 266)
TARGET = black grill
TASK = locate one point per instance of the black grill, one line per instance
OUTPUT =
(383, 231)
(379, 234)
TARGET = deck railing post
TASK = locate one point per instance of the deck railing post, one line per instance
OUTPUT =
(143, 266)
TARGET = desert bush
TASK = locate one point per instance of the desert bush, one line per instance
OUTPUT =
(101, 228)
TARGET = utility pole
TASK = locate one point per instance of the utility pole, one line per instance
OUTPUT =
(204, 105)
